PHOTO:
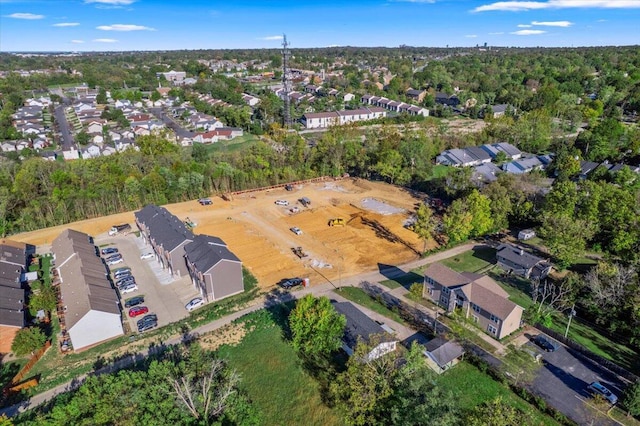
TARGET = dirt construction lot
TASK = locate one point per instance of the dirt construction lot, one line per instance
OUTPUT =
(257, 230)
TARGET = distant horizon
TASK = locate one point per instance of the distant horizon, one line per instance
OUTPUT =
(49, 52)
(152, 25)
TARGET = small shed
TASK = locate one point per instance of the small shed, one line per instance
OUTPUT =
(526, 234)
(442, 354)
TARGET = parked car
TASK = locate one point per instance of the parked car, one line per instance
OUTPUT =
(137, 311)
(123, 270)
(129, 288)
(134, 301)
(598, 388)
(149, 318)
(123, 275)
(147, 255)
(109, 250)
(281, 203)
(545, 343)
(291, 283)
(147, 326)
(288, 187)
(195, 303)
(205, 201)
(115, 256)
(115, 261)
(125, 282)
(296, 230)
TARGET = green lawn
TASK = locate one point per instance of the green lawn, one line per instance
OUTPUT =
(440, 171)
(273, 377)
(474, 387)
(358, 296)
(599, 344)
(404, 280)
(236, 144)
(472, 260)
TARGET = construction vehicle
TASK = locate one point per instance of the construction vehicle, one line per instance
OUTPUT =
(119, 229)
(298, 252)
(189, 223)
(338, 221)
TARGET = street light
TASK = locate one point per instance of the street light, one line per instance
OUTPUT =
(571, 315)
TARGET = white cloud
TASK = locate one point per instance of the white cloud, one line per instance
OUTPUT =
(105, 40)
(269, 38)
(519, 6)
(112, 2)
(24, 16)
(524, 26)
(563, 24)
(471, 36)
(124, 27)
(498, 33)
(77, 41)
(67, 24)
(528, 32)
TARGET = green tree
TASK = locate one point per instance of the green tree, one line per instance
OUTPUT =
(566, 237)
(631, 399)
(28, 340)
(479, 207)
(155, 96)
(495, 413)
(316, 327)
(44, 299)
(82, 138)
(425, 224)
(457, 222)
(519, 365)
(101, 98)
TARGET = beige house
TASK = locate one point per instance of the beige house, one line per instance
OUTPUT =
(476, 296)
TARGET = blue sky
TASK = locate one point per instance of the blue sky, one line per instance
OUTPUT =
(107, 25)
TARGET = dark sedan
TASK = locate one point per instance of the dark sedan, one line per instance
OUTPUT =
(545, 343)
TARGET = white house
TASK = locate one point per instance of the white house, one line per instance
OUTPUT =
(71, 154)
(91, 312)
(91, 151)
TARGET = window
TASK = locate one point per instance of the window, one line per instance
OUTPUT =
(430, 291)
(446, 290)
(492, 329)
(475, 318)
(475, 308)
(444, 300)
(495, 319)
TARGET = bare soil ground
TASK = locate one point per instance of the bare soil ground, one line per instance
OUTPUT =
(257, 230)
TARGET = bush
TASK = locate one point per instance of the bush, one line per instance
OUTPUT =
(28, 340)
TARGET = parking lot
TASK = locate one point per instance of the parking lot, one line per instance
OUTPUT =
(164, 295)
(564, 378)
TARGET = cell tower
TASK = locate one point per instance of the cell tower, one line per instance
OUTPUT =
(286, 81)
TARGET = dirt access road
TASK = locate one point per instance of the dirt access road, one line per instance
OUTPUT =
(257, 230)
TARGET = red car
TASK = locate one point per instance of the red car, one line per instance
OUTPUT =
(138, 310)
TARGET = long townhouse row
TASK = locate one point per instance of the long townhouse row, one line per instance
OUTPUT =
(394, 106)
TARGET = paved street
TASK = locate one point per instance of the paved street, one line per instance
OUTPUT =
(170, 123)
(65, 130)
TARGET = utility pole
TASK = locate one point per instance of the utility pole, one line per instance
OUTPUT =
(286, 81)
(571, 315)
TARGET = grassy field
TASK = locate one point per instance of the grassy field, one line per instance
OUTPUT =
(274, 379)
(474, 387)
(235, 144)
(358, 296)
(519, 289)
(472, 260)
(597, 343)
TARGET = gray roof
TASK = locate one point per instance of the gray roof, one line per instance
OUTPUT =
(444, 351)
(359, 325)
(445, 276)
(517, 256)
(478, 152)
(10, 275)
(12, 317)
(507, 148)
(164, 228)
(15, 252)
(11, 298)
(499, 108)
(587, 167)
(486, 172)
(205, 252)
(84, 285)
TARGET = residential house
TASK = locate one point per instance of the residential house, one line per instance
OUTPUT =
(442, 354)
(108, 150)
(348, 97)
(446, 100)
(176, 77)
(499, 110)
(91, 151)
(586, 167)
(250, 100)
(337, 118)
(15, 258)
(71, 154)
(362, 328)
(524, 165)
(416, 95)
(7, 146)
(91, 312)
(486, 173)
(510, 151)
(456, 157)
(474, 295)
(167, 235)
(95, 126)
(49, 155)
(520, 262)
(214, 270)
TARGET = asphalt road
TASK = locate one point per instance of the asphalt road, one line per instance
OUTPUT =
(563, 381)
(168, 121)
(67, 141)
